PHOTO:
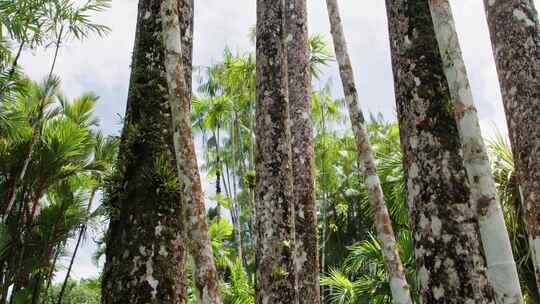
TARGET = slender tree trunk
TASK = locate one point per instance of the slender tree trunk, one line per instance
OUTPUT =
(235, 214)
(449, 258)
(276, 280)
(515, 36)
(36, 134)
(76, 249)
(6, 282)
(50, 276)
(218, 171)
(383, 224)
(145, 254)
(66, 279)
(502, 270)
(324, 205)
(12, 70)
(205, 274)
(307, 252)
(235, 205)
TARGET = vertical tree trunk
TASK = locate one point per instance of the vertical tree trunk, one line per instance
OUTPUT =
(515, 37)
(383, 225)
(275, 253)
(303, 158)
(502, 271)
(451, 265)
(205, 274)
(82, 231)
(145, 254)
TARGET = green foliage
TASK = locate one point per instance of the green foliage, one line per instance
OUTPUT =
(41, 23)
(321, 55)
(508, 190)
(240, 288)
(55, 143)
(362, 277)
(85, 291)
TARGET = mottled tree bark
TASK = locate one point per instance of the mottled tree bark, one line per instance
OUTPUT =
(146, 241)
(275, 252)
(502, 270)
(383, 224)
(515, 37)
(303, 158)
(449, 258)
(205, 274)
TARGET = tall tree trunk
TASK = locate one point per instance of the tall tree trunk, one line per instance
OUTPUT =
(205, 274)
(146, 241)
(449, 258)
(234, 210)
(218, 170)
(76, 249)
(515, 37)
(303, 158)
(50, 275)
(275, 253)
(502, 270)
(383, 224)
(323, 189)
(36, 133)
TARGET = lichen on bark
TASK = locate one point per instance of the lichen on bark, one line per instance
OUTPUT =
(502, 270)
(276, 273)
(515, 37)
(146, 240)
(303, 159)
(383, 225)
(204, 272)
(449, 258)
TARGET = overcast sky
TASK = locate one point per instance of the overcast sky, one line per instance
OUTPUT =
(102, 65)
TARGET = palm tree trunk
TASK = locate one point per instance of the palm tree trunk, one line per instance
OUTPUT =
(449, 258)
(206, 279)
(218, 171)
(66, 279)
(36, 135)
(383, 224)
(50, 276)
(235, 212)
(12, 69)
(515, 37)
(324, 205)
(146, 241)
(307, 252)
(238, 172)
(502, 270)
(5, 282)
(79, 239)
(276, 280)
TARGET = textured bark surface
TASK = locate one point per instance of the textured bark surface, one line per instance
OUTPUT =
(515, 36)
(451, 265)
(502, 271)
(275, 252)
(303, 158)
(145, 255)
(205, 274)
(383, 225)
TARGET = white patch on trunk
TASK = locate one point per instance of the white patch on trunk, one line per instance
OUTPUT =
(158, 229)
(502, 271)
(436, 226)
(519, 15)
(150, 278)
